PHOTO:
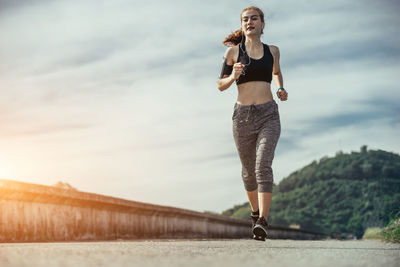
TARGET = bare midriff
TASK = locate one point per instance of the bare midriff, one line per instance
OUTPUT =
(254, 92)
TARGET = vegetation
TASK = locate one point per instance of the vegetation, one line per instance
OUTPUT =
(65, 185)
(390, 233)
(342, 196)
(372, 233)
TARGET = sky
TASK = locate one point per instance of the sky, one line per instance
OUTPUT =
(120, 98)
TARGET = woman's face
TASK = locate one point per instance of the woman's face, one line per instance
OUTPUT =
(251, 23)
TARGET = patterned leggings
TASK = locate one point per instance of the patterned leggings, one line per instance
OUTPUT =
(256, 130)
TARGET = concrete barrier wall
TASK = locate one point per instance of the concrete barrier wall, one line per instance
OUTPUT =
(30, 212)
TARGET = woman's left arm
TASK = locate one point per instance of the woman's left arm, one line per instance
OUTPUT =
(277, 74)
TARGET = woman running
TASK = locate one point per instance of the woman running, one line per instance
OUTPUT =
(256, 122)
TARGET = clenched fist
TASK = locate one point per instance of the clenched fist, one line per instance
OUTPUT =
(237, 70)
(282, 95)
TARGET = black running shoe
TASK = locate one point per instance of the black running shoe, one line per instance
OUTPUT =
(260, 229)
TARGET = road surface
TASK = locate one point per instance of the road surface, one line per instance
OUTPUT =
(204, 253)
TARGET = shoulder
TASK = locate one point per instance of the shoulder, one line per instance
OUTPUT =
(274, 49)
(231, 54)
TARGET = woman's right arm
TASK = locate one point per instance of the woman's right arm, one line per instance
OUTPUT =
(226, 81)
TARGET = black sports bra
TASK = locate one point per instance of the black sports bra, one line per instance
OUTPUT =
(258, 69)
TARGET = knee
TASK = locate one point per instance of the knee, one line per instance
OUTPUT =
(249, 181)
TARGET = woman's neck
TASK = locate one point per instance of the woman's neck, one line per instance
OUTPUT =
(252, 42)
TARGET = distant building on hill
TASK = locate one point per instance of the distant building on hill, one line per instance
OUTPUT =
(294, 226)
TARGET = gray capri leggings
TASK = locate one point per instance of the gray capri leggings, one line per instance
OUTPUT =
(256, 130)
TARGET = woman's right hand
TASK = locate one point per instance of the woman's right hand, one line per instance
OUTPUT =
(237, 70)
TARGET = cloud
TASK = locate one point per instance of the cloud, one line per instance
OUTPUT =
(374, 110)
(10, 5)
(127, 91)
(45, 129)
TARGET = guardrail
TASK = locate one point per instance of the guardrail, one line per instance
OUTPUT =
(32, 213)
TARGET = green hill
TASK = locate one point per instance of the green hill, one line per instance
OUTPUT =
(342, 195)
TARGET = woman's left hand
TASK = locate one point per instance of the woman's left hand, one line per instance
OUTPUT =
(282, 95)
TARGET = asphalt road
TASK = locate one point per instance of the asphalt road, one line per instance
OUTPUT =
(204, 253)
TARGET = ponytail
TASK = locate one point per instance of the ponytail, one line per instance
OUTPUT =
(234, 38)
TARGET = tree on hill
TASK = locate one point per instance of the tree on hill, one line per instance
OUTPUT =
(341, 195)
(64, 185)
